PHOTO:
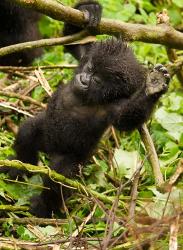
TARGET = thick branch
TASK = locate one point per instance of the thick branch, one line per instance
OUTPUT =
(13, 208)
(160, 34)
(56, 177)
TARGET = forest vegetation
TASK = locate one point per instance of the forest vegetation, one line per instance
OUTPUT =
(130, 194)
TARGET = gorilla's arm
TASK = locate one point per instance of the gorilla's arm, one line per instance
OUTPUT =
(128, 114)
(93, 11)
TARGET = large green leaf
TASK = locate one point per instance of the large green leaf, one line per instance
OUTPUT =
(172, 122)
(178, 3)
(164, 204)
(125, 162)
(170, 152)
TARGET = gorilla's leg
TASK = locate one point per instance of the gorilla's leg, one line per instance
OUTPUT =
(50, 201)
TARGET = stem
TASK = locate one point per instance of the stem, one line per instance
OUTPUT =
(153, 158)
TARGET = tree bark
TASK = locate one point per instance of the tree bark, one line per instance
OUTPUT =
(159, 34)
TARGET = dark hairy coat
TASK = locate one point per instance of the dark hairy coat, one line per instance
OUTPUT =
(17, 25)
(109, 87)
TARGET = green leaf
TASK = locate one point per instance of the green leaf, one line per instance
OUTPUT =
(125, 162)
(48, 230)
(20, 191)
(95, 172)
(164, 204)
(38, 93)
(152, 18)
(160, 136)
(148, 6)
(145, 194)
(178, 3)
(129, 9)
(172, 122)
(174, 102)
(181, 142)
(119, 11)
(24, 233)
(175, 15)
(144, 15)
(170, 152)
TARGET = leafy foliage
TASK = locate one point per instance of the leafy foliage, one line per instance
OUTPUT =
(119, 154)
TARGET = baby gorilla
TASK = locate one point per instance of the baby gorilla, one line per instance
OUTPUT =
(109, 87)
(18, 24)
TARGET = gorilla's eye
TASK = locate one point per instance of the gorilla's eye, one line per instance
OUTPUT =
(96, 79)
(118, 78)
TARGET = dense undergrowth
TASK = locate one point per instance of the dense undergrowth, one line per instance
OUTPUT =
(140, 219)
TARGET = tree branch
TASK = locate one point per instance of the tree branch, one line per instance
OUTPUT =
(152, 155)
(160, 34)
(42, 43)
(34, 220)
(32, 68)
(172, 56)
(57, 178)
(23, 98)
(13, 208)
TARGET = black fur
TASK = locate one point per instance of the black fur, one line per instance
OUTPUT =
(109, 88)
(18, 24)
(93, 12)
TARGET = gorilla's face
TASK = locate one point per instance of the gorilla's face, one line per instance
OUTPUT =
(102, 75)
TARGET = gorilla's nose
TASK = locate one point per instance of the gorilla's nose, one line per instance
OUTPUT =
(85, 78)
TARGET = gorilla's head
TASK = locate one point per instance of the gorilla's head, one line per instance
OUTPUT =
(106, 73)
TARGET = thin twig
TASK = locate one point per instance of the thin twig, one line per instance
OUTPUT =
(178, 172)
(133, 196)
(41, 43)
(35, 221)
(114, 136)
(172, 56)
(111, 220)
(9, 106)
(32, 68)
(22, 97)
(43, 82)
(174, 228)
(81, 227)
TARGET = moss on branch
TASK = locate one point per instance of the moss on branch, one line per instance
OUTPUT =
(11, 208)
(57, 178)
